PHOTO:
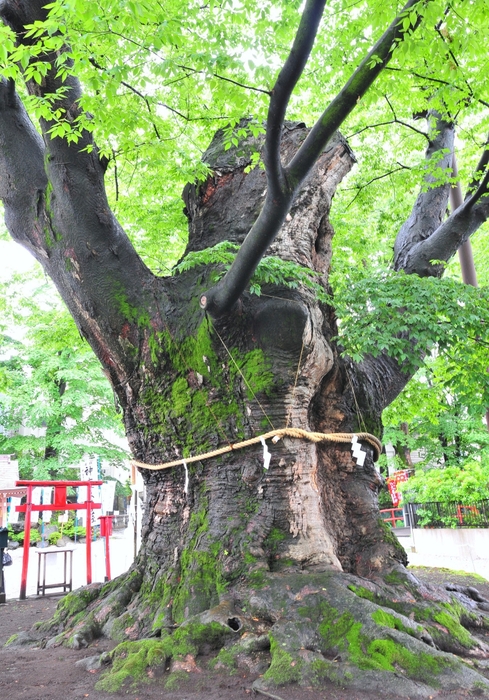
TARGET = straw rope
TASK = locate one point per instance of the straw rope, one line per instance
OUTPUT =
(277, 434)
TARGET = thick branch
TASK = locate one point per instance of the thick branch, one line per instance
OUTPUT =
(68, 225)
(22, 177)
(447, 239)
(345, 101)
(389, 375)
(430, 206)
(422, 240)
(219, 300)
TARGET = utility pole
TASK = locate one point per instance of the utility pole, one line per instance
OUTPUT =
(465, 255)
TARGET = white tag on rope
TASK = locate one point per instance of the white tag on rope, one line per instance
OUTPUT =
(266, 454)
(357, 452)
(185, 488)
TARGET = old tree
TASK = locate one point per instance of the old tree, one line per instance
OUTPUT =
(287, 568)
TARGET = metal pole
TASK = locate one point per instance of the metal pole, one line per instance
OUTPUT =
(465, 255)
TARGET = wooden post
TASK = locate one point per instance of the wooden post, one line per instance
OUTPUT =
(27, 543)
(89, 534)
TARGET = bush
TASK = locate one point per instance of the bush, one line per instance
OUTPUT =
(70, 530)
(54, 538)
(450, 484)
(19, 537)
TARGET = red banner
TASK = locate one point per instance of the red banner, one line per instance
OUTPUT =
(392, 482)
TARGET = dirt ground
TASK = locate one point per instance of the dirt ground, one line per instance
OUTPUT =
(51, 674)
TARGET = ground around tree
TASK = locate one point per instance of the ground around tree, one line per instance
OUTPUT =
(54, 674)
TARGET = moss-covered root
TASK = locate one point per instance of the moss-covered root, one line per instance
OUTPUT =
(138, 662)
(85, 614)
(331, 632)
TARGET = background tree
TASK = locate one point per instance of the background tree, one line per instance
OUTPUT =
(56, 405)
(198, 363)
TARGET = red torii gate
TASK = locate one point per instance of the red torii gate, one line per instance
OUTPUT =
(60, 503)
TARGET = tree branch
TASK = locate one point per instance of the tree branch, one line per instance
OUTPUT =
(69, 226)
(388, 123)
(22, 177)
(439, 81)
(219, 77)
(243, 85)
(348, 97)
(430, 206)
(219, 300)
(286, 81)
(415, 253)
(135, 91)
(359, 188)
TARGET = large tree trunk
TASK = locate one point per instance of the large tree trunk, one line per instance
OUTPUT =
(296, 555)
(271, 363)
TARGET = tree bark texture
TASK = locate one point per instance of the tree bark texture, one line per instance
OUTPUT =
(187, 384)
(270, 364)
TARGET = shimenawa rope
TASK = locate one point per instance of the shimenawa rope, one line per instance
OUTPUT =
(275, 435)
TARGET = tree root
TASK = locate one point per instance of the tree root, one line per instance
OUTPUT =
(398, 635)
(265, 692)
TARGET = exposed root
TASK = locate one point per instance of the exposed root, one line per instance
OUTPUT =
(265, 692)
(408, 639)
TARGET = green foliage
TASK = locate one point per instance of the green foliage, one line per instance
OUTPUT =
(440, 411)
(54, 537)
(270, 270)
(55, 403)
(405, 316)
(444, 414)
(35, 536)
(463, 485)
(71, 530)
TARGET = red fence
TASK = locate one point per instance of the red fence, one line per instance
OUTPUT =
(393, 516)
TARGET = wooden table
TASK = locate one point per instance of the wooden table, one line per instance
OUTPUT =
(67, 583)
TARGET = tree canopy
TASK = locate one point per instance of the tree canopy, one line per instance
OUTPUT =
(157, 81)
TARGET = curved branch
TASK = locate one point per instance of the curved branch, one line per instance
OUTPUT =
(422, 240)
(346, 100)
(447, 239)
(68, 225)
(220, 298)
